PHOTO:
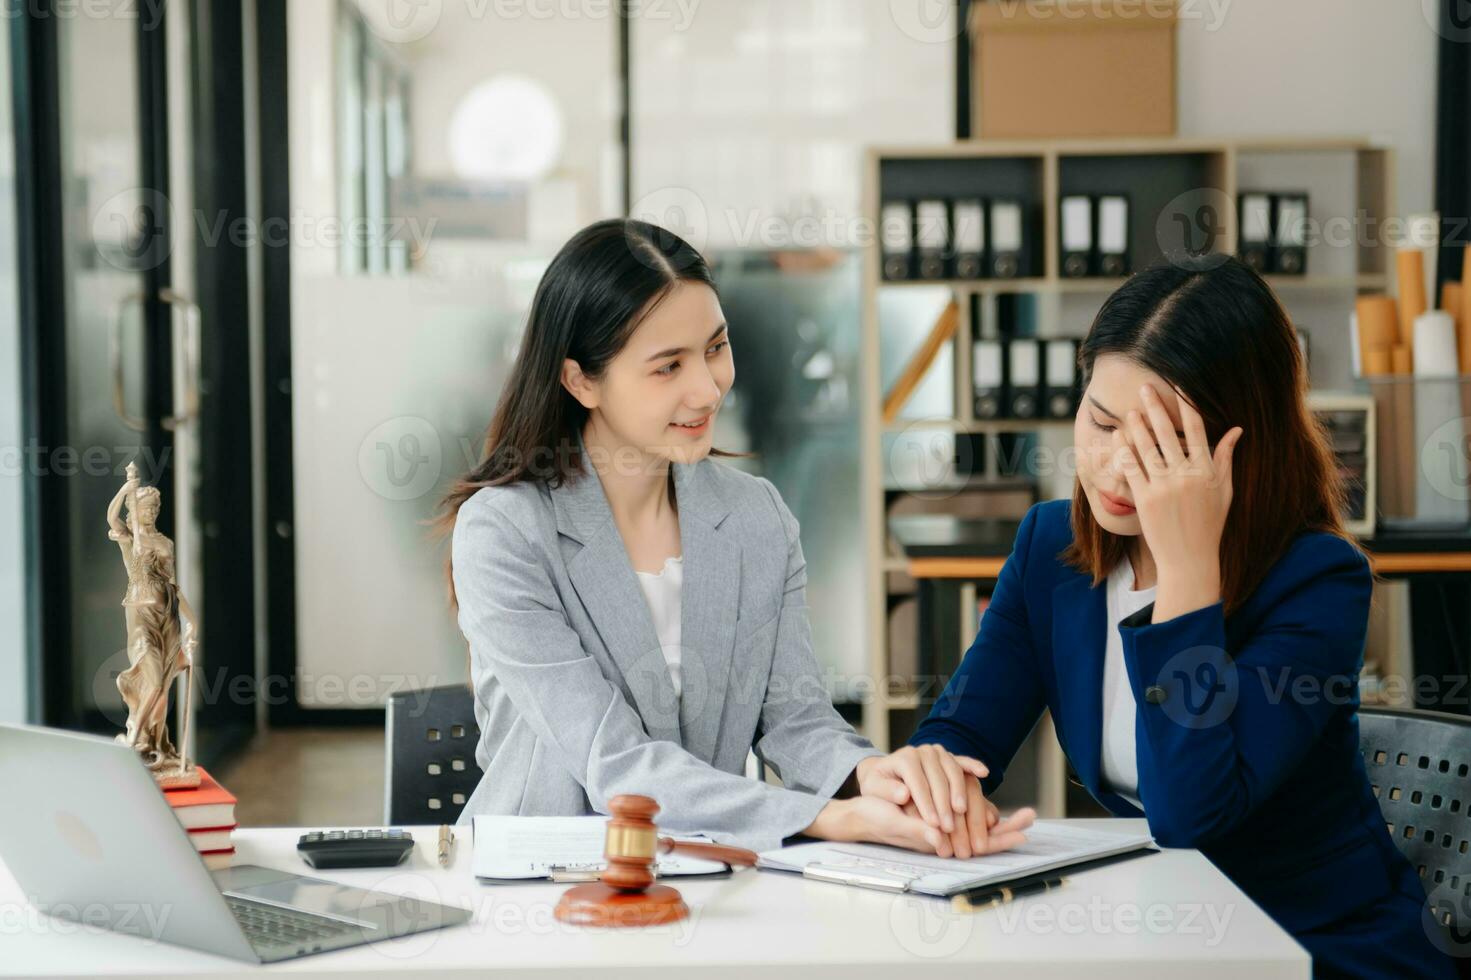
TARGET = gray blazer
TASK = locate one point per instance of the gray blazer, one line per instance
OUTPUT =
(572, 691)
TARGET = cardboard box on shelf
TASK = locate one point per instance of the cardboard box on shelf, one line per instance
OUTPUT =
(1073, 68)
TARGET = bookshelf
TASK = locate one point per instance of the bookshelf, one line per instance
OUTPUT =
(1170, 183)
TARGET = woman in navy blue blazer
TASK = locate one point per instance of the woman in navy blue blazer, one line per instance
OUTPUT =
(1194, 619)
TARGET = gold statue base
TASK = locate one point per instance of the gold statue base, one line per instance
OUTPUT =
(170, 777)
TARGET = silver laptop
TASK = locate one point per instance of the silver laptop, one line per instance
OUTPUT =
(93, 840)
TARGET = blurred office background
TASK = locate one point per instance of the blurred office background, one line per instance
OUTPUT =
(281, 256)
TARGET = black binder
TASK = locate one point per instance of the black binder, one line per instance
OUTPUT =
(1075, 224)
(932, 238)
(896, 239)
(1008, 239)
(968, 232)
(989, 372)
(1255, 223)
(1291, 234)
(1060, 371)
(1113, 235)
(1024, 377)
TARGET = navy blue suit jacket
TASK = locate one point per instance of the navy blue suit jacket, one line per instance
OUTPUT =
(1247, 733)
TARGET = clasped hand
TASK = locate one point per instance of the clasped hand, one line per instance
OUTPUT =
(926, 799)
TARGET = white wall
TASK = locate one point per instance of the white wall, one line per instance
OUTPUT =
(755, 114)
(1316, 67)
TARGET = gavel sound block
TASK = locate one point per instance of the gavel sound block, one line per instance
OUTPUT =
(627, 895)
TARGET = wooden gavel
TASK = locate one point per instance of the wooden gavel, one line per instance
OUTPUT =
(626, 894)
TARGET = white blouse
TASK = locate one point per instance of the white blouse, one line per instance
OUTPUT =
(662, 590)
(1120, 764)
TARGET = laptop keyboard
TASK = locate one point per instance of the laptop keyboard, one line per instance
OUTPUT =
(270, 925)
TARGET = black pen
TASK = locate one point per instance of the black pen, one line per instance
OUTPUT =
(989, 895)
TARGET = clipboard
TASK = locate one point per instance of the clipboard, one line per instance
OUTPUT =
(1052, 847)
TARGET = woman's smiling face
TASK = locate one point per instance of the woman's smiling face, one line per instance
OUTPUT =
(662, 391)
(1113, 391)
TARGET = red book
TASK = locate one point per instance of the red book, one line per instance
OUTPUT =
(215, 860)
(211, 838)
(207, 805)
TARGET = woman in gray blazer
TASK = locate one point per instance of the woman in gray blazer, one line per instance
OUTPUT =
(635, 610)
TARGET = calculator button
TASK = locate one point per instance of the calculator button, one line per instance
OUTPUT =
(354, 835)
(336, 835)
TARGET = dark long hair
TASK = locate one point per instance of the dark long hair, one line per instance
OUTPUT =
(597, 290)
(1213, 328)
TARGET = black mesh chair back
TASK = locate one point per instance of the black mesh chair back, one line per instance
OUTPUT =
(1418, 764)
(431, 737)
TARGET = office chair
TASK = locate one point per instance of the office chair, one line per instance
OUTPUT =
(1417, 763)
(431, 769)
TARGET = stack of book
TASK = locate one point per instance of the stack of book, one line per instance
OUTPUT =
(208, 813)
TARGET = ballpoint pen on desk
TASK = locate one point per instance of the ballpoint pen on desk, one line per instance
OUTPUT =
(446, 845)
(989, 895)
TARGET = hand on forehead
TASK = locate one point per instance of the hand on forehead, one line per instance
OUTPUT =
(1115, 389)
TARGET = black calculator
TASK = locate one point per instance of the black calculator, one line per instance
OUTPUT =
(382, 848)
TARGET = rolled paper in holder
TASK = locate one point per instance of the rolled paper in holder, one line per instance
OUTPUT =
(1411, 293)
(1377, 328)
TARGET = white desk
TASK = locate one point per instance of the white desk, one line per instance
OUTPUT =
(1166, 915)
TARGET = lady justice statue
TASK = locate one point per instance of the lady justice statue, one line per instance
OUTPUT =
(158, 650)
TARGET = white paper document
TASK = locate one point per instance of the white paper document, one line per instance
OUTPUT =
(1050, 844)
(538, 847)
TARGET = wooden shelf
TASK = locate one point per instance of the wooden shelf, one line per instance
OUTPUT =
(1412, 563)
(1407, 563)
